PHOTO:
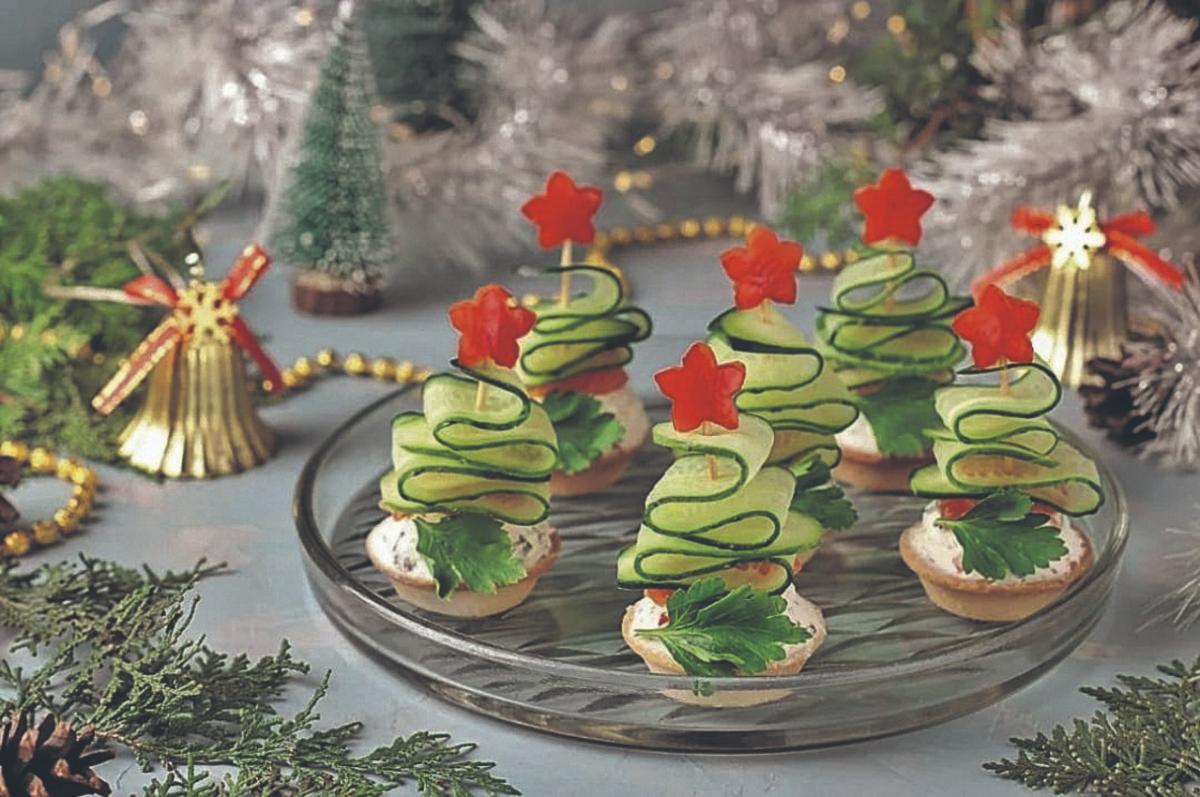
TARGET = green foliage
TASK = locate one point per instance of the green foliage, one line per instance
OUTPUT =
(335, 208)
(1000, 535)
(113, 650)
(68, 231)
(899, 414)
(471, 550)
(819, 497)
(824, 205)
(714, 632)
(416, 68)
(585, 432)
(1146, 742)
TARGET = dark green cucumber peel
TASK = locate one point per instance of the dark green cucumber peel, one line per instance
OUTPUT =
(455, 458)
(593, 332)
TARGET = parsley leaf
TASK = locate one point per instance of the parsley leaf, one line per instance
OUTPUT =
(1000, 536)
(470, 550)
(715, 632)
(584, 432)
(900, 413)
(821, 499)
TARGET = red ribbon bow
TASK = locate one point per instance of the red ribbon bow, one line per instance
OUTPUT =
(218, 305)
(1072, 235)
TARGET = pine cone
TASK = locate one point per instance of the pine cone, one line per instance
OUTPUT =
(1110, 404)
(10, 474)
(51, 760)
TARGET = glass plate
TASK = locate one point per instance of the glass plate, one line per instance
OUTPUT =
(892, 662)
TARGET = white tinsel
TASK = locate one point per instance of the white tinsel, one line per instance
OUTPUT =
(550, 99)
(197, 93)
(1112, 106)
(747, 78)
(1181, 605)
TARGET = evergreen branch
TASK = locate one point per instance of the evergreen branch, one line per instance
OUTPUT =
(116, 653)
(1147, 741)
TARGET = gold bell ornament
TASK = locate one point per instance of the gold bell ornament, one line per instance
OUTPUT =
(1084, 306)
(197, 419)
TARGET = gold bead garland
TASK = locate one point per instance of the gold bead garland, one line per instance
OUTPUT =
(328, 362)
(67, 519)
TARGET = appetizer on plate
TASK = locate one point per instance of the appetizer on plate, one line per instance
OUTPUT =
(574, 360)
(468, 491)
(716, 550)
(998, 543)
(888, 336)
(787, 383)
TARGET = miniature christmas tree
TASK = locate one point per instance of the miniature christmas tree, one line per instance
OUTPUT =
(334, 227)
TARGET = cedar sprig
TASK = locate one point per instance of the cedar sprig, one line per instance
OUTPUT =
(1147, 741)
(112, 649)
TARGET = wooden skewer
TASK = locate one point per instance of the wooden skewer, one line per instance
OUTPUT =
(709, 459)
(564, 286)
(481, 389)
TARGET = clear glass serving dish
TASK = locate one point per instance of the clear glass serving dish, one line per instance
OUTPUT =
(892, 662)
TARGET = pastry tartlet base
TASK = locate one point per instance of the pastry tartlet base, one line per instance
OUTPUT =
(990, 601)
(600, 475)
(877, 473)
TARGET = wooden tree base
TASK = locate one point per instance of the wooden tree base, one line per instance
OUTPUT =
(319, 294)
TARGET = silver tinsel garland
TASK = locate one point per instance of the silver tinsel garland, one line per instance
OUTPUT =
(550, 97)
(1112, 106)
(748, 78)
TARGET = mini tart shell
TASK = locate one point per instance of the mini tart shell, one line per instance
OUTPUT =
(600, 475)
(659, 661)
(422, 592)
(990, 601)
(877, 473)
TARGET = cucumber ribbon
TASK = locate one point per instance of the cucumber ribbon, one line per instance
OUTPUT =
(594, 331)
(787, 385)
(995, 439)
(695, 526)
(455, 457)
(889, 318)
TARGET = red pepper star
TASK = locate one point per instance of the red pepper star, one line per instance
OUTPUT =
(564, 212)
(764, 269)
(489, 326)
(998, 328)
(893, 209)
(700, 390)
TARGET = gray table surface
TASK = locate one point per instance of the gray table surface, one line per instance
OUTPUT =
(246, 521)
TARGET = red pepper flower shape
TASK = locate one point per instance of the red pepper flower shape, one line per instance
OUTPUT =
(489, 327)
(763, 269)
(893, 209)
(998, 328)
(564, 212)
(700, 390)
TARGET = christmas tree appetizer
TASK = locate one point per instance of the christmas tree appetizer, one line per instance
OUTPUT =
(998, 544)
(574, 360)
(334, 226)
(787, 384)
(469, 488)
(716, 549)
(888, 335)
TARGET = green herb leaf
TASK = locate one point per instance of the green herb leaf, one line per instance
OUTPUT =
(715, 632)
(585, 432)
(1000, 536)
(899, 413)
(471, 550)
(821, 499)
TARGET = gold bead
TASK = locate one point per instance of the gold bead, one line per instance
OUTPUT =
(47, 532)
(850, 255)
(665, 232)
(355, 363)
(66, 469)
(383, 368)
(79, 505)
(690, 228)
(404, 371)
(422, 375)
(713, 227)
(327, 358)
(737, 226)
(830, 261)
(621, 236)
(303, 367)
(601, 240)
(644, 235)
(15, 449)
(291, 378)
(42, 460)
(18, 543)
(84, 477)
(807, 263)
(530, 300)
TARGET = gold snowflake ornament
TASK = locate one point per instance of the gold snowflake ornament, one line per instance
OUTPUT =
(1075, 235)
